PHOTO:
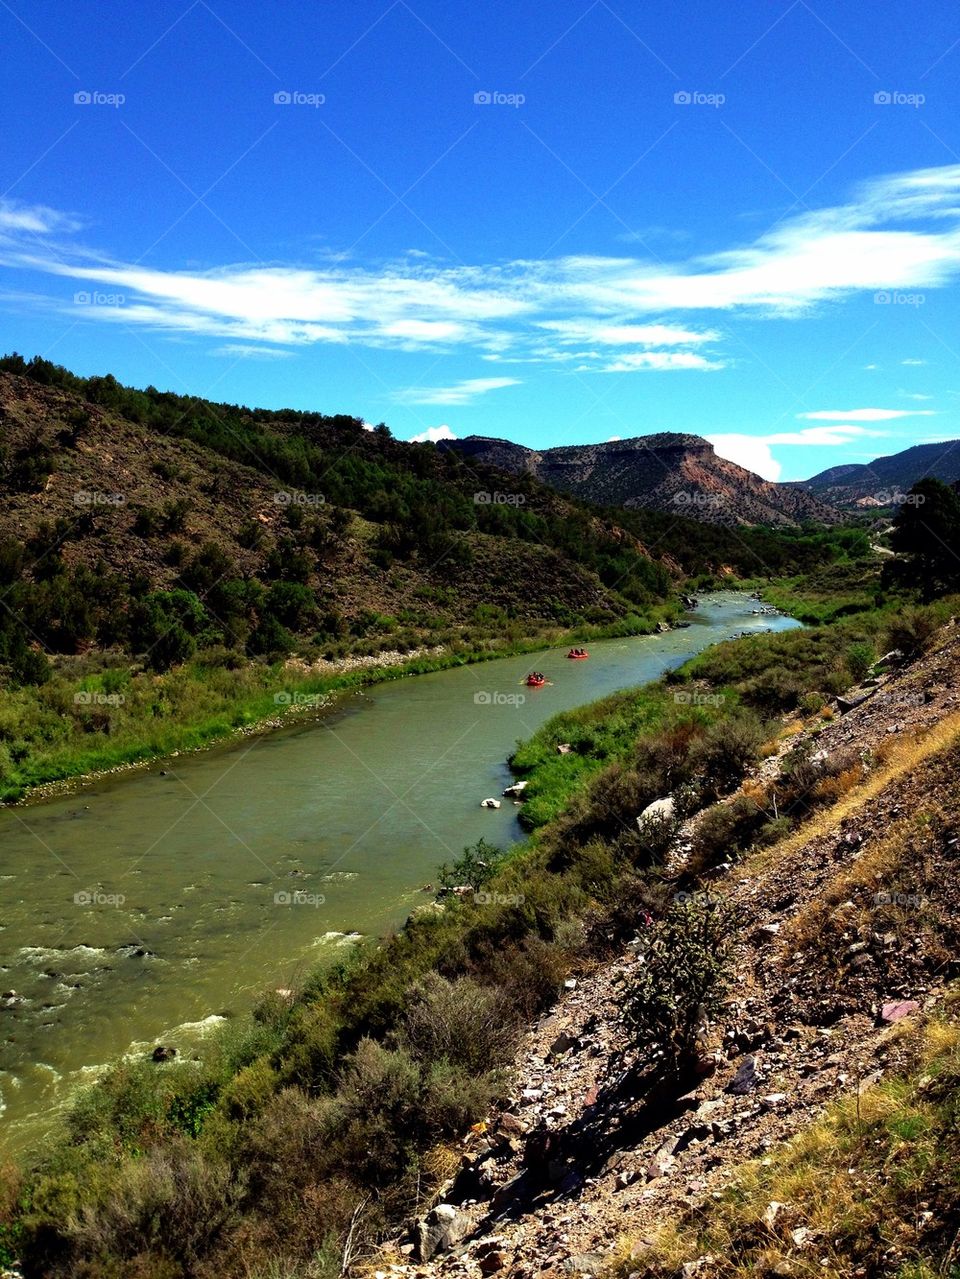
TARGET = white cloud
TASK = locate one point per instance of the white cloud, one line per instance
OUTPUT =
(750, 451)
(896, 232)
(432, 435)
(34, 219)
(241, 352)
(660, 361)
(755, 452)
(460, 393)
(594, 331)
(863, 415)
(913, 363)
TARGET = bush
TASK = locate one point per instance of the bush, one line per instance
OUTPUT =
(859, 658)
(679, 981)
(460, 1022)
(720, 760)
(912, 631)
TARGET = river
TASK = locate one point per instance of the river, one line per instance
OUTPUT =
(144, 908)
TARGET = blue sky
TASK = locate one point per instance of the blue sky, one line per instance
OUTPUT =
(554, 223)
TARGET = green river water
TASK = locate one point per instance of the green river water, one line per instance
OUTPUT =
(144, 908)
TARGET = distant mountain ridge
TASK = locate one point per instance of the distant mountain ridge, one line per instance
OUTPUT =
(675, 472)
(876, 483)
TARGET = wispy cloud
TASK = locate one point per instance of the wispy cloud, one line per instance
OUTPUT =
(460, 393)
(583, 312)
(238, 351)
(863, 415)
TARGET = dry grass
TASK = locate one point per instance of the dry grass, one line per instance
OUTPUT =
(868, 1189)
(896, 760)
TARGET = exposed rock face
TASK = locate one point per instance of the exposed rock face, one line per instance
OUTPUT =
(668, 472)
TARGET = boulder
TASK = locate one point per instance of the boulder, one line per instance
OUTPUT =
(490, 803)
(163, 1053)
(893, 658)
(440, 1230)
(746, 1078)
(659, 810)
(516, 789)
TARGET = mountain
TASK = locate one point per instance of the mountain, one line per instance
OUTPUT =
(877, 483)
(677, 473)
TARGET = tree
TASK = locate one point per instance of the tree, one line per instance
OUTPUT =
(926, 533)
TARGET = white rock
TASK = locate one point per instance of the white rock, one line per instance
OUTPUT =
(490, 803)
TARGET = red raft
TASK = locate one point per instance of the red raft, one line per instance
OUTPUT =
(577, 657)
(535, 681)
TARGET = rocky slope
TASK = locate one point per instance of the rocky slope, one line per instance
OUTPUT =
(877, 483)
(681, 474)
(850, 930)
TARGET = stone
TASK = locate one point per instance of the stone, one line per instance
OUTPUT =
(772, 1212)
(493, 1261)
(896, 1010)
(163, 1053)
(564, 748)
(511, 1124)
(584, 1263)
(563, 1043)
(440, 1230)
(659, 810)
(773, 1100)
(516, 789)
(746, 1079)
(490, 802)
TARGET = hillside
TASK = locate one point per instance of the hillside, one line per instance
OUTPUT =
(846, 938)
(681, 474)
(288, 528)
(877, 483)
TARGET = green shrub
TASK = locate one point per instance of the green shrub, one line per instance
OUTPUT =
(859, 658)
(460, 1022)
(679, 981)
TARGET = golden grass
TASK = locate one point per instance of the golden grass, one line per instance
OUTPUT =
(902, 756)
(867, 1162)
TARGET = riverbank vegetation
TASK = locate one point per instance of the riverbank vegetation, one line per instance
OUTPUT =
(335, 1109)
(169, 566)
